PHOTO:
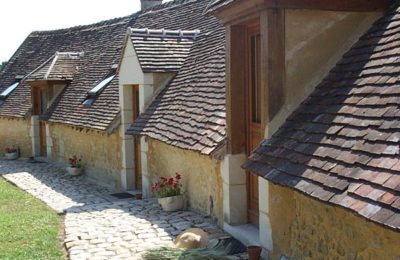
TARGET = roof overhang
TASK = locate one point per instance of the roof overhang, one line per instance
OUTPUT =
(39, 83)
(239, 8)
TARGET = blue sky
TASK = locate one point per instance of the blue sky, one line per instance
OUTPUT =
(20, 17)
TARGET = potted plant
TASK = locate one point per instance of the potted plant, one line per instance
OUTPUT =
(168, 191)
(11, 153)
(75, 167)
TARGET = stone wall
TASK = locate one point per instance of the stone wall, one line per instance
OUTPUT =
(201, 175)
(305, 228)
(16, 132)
(100, 152)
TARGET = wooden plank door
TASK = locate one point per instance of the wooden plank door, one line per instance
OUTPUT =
(137, 151)
(253, 115)
(42, 125)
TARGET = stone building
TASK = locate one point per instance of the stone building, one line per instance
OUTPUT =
(77, 96)
(312, 102)
(172, 96)
(66, 102)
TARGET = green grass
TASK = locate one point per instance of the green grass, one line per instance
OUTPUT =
(28, 228)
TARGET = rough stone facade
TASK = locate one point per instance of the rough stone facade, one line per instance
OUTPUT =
(16, 132)
(304, 228)
(100, 152)
(201, 181)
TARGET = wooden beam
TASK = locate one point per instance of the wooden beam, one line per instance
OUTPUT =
(235, 80)
(331, 5)
(242, 9)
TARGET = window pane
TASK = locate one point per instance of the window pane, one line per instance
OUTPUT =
(101, 85)
(255, 78)
(88, 102)
(43, 101)
(9, 89)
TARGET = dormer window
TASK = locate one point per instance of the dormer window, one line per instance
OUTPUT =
(95, 92)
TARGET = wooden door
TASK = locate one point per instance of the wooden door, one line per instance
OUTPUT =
(40, 107)
(137, 158)
(254, 133)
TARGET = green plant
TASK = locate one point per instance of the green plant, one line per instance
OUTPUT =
(75, 162)
(167, 187)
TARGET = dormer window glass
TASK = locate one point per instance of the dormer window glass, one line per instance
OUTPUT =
(99, 87)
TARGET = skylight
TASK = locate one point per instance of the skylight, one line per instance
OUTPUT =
(10, 89)
(101, 85)
(94, 92)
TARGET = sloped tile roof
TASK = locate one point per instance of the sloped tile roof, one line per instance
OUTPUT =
(190, 112)
(214, 5)
(341, 145)
(101, 44)
(162, 50)
(62, 67)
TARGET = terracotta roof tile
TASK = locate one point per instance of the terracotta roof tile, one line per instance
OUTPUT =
(347, 132)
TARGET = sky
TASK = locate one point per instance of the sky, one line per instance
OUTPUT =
(18, 18)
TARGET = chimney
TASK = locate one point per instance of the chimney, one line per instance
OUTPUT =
(149, 3)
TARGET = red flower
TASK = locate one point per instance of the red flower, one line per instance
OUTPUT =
(161, 186)
(178, 176)
(175, 186)
(170, 181)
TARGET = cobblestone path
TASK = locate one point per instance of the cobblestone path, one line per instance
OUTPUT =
(97, 225)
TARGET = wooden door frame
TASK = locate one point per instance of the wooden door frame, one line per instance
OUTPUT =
(252, 29)
(136, 141)
(37, 110)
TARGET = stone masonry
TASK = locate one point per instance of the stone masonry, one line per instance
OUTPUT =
(97, 225)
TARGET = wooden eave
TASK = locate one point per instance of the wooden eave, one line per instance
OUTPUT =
(39, 83)
(239, 9)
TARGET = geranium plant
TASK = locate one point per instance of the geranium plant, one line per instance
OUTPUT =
(75, 162)
(167, 187)
(11, 149)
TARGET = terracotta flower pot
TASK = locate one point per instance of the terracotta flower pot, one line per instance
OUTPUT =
(11, 156)
(254, 252)
(173, 203)
(74, 171)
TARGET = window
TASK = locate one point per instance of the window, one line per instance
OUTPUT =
(255, 78)
(94, 92)
(8, 91)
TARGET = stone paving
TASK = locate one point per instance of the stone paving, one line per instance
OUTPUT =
(97, 225)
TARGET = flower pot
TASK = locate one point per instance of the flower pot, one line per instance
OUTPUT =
(74, 171)
(11, 156)
(173, 203)
(254, 252)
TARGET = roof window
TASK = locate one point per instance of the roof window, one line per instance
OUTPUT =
(11, 88)
(8, 90)
(94, 92)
